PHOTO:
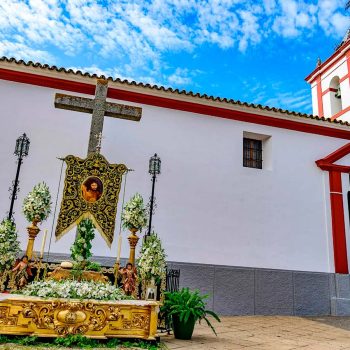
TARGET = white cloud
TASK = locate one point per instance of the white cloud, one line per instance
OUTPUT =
(136, 34)
(277, 94)
(24, 52)
(180, 77)
(290, 100)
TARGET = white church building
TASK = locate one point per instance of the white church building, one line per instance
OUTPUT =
(252, 201)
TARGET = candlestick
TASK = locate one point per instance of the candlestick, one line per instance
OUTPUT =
(119, 248)
(43, 245)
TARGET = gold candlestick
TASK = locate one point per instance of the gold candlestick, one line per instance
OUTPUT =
(33, 231)
(133, 239)
(43, 245)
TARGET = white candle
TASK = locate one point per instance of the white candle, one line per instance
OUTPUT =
(119, 247)
(43, 244)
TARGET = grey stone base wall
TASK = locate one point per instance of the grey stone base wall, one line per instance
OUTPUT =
(255, 291)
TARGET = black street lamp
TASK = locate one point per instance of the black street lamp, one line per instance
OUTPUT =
(154, 170)
(21, 151)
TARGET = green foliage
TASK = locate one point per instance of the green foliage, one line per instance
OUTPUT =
(9, 245)
(77, 271)
(81, 248)
(113, 343)
(93, 266)
(37, 204)
(4, 339)
(31, 340)
(186, 304)
(76, 340)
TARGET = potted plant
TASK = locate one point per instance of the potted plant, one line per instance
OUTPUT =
(186, 308)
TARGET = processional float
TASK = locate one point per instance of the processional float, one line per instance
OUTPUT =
(91, 191)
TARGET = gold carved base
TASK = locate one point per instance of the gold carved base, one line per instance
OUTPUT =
(23, 315)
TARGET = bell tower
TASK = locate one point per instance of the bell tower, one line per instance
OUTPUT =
(330, 84)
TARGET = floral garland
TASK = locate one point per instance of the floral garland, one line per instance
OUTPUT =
(37, 204)
(9, 245)
(134, 215)
(74, 289)
(151, 263)
(81, 248)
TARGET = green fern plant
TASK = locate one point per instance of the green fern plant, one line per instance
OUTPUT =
(186, 304)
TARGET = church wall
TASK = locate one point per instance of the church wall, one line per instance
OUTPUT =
(211, 209)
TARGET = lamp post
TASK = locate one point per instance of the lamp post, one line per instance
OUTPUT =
(154, 170)
(21, 151)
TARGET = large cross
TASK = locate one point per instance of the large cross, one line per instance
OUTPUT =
(99, 108)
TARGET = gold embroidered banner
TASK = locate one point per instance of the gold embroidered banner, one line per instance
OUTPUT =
(91, 190)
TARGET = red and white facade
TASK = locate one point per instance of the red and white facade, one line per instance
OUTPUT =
(290, 215)
(327, 80)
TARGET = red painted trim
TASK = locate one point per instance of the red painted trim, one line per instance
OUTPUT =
(338, 223)
(226, 113)
(334, 167)
(337, 208)
(329, 90)
(318, 69)
(336, 155)
(348, 63)
(345, 76)
(335, 116)
(170, 103)
(40, 80)
(319, 98)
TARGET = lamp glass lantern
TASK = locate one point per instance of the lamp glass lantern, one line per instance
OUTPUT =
(154, 165)
(22, 146)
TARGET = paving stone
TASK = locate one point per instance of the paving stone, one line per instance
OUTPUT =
(281, 333)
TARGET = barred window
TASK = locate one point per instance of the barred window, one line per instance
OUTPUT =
(252, 153)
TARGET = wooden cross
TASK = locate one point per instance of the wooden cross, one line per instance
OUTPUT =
(99, 108)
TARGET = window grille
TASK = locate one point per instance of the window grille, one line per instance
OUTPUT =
(252, 153)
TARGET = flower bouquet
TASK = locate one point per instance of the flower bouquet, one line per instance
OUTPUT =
(134, 216)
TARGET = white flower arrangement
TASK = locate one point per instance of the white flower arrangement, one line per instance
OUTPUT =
(37, 204)
(151, 262)
(9, 245)
(135, 213)
(74, 290)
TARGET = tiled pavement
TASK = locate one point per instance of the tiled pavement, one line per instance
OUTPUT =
(268, 333)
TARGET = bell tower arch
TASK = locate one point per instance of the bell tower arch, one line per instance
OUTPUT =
(330, 84)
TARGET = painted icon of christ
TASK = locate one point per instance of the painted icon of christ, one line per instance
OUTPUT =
(92, 189)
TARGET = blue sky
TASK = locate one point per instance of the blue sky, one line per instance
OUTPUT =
(254, 51)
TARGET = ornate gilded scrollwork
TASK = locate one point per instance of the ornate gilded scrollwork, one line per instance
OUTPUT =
(81, 200)
(5, 319)
(138, 320)
(70, 317)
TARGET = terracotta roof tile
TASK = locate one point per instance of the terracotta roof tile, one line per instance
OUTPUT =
(172, 91)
